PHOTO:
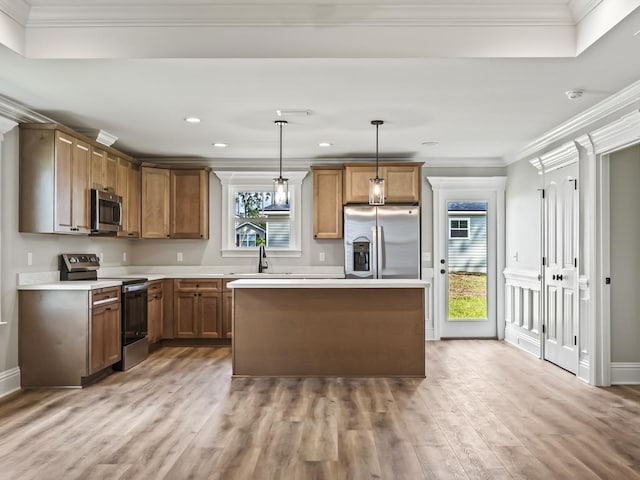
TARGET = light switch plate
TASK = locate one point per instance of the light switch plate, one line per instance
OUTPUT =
(179, 256)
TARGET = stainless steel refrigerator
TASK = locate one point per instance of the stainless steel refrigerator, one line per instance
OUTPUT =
(382, 242)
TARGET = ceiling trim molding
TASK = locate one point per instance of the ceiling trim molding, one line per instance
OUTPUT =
(617, 135)
(581, 8)
(19, 113)
(463, 162)
(286, 14)
(620, 100)
(467, 183)
(567, 154)
(16, 9)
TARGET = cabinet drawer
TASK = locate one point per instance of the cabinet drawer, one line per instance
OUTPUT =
(198, 284)
(102, 296)
(155, 288)
(225, 281)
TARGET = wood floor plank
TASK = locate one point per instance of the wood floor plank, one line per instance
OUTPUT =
(485, 410)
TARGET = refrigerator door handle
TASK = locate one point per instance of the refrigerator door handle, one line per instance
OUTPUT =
(374, 252)
(380, 249)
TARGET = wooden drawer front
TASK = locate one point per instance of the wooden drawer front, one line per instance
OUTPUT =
(155, 288)
(102, 296)
(198, 284)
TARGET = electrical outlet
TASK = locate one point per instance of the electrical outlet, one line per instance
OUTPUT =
(29, 258)
(179, 256)
(101, 257)
(124, 256)
(321, 256)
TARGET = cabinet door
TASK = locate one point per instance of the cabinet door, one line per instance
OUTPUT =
(63, 165)
(110, 172)
(327, 203)
(80, 183)
(227, 315)
(122, 189)
(401, 183)
(133, 201)
(189, 204)
(155, 202)
(356, 183)
(112, 338)
(209, 315)
(185, 310)
(96, 339)
(155, 312)
(97, 164)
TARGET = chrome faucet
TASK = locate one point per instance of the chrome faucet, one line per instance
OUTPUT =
(262, 259)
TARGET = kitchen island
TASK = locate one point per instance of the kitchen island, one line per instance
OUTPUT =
(324, 327)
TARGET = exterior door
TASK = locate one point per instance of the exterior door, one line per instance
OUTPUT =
(466, 264)
(560, 303)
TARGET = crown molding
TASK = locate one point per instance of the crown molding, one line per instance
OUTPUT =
(19, 113)
(581, 8)
(464, 162)
(567, 154)
(620, 100)
(288, 14)
(617, 135)
(467, 183)
(16, 9)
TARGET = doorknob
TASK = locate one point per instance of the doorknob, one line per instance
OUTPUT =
(443, 271)
(553, 277)
(442, 261)
(560, 277)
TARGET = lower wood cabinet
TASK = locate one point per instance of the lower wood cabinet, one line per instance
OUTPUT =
(155, 311)
(197, 308)
(227, 309)
(105, 332)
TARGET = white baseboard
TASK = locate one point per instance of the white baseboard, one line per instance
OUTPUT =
(9, 381)
(517, 337)
(625, 373)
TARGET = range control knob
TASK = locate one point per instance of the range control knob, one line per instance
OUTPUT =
(73, 259)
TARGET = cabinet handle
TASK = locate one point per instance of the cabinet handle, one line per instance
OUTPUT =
(168, 236)
(130, 234)
(108, 308)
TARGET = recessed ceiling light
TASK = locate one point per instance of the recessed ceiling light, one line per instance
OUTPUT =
(325, 144)
(573, 94)
(192, 120)
(220, 145)
(429, 144)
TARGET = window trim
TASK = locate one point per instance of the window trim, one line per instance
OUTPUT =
(234, 181)
(468, 229)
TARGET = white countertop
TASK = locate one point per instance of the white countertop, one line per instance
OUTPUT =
(328, 283)
(50, 280)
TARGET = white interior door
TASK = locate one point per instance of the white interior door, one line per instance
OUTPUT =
(466, 267)
(560, 315)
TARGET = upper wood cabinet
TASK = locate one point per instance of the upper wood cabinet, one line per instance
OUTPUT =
(57, 170)
(55, 176)
(402, 182)
(155, 202)
(189, 203)
(128, 187)
(175, 203)
(327, 202)
(104, 168)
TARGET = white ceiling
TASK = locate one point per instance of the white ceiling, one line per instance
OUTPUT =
(475, 107)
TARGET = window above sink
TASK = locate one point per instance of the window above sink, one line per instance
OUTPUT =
(249, 216)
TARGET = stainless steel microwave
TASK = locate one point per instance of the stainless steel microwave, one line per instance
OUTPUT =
(106, 212)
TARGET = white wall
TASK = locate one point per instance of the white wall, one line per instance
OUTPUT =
(523, 217)
(625, 255)
(45, 250)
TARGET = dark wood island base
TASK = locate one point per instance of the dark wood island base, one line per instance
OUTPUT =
(338, 332)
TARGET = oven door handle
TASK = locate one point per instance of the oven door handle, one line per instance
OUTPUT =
(135, 287)
(104, 301)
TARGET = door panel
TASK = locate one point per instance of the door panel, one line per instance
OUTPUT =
(399, 247)
(560, 272)
(472, 285)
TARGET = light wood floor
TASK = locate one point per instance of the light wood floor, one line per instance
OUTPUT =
(486, 410)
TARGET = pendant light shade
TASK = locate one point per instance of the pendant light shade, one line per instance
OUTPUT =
(376, 185)
(280, 185)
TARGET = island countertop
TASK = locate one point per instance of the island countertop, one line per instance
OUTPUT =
(327, 283)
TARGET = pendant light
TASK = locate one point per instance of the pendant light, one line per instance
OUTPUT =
(280, 186)
(376, 185)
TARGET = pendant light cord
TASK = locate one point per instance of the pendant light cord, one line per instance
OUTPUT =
(280, 151)
(377, 150)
